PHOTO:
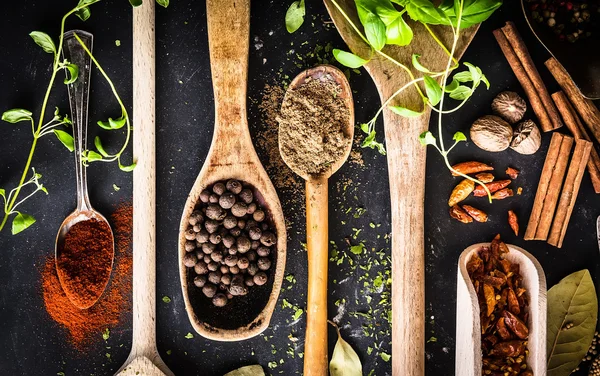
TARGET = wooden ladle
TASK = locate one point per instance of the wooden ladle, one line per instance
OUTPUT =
(317, 231)
(406, 169)
(232, 156)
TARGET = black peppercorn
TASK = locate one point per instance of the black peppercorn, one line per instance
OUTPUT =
(255, 233)
(260, 278)
(216, 256)
(190, 246)
(249, 281)
(247, 196)
(220, 300)
(227, 200)
(215, 212)
(252, 269)
(190, 234)
(228, 241)
(268, 238)
(251, 208)
(213, 199)
(230, 222)
(239, 209)
(243, 244)
(264, 263)
(251, 256)
(200, 280)
(234, 186)
(259, 216)
(190, 260)
(263, 251)
(219, 188)
(208, 248)
(231, 260)
(211, 226)
(213, 266)
(234, 269)
(196, 217)
(243, 263)
(214, 277)
(204, 196)
(202, 236)
(201, 268)
(215, 238)
(226, 279)
(209, 290)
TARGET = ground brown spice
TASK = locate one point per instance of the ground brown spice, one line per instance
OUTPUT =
(84, 325)
(312, 123)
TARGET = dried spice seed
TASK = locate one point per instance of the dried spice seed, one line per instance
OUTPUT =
(513, 173)
(513, 221)
(459, 214)
(478, 215)
(461, 192)
(470, 167)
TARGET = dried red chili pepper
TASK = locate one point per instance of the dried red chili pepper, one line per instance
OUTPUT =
(478, 215)
(494, 186)
(513, 221)
(502, 194)
(470, 167)
(513, 173)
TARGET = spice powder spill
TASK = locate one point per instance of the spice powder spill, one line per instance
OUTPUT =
(312, 125)
(84, 261)
(107, 312)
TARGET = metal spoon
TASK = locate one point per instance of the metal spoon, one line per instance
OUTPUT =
(317, 232)
(78, 98)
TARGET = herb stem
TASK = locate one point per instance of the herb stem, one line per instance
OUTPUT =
(442, 45)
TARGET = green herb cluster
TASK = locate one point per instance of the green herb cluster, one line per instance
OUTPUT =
(385, 23)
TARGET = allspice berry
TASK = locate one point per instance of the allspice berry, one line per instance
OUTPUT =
(196, 217)
(259, 216)
(224, 269)
(202, 236)
(247, 196)
(264, 263)
(241, 223)
(227, 200)
(252, 269)
(226, 279)
(220, 300)
(230, 222)
(491, 133)
(243, 263)
(219, 188)
(527, 138)
(234, 269)
(263, 251)
(268, 238)
(231, 260)
(243, 244)
(251, 256)
(213, 198)
(200, 280)
(234, 186)
(260, 278)
(190, 234)
(249, 281)
(209, 290)
(509, 106)
(190, 246)
(214, 277)
(208, 248)
(239, 209)
(235, 232)
(213, 266)
(190, 260)
(215, 238)
(201, 268)
(228, 241)
(215, 212)
(255, 233)
(251, 208)
(216, 256)
(204, 196)
(254, 244)
(211, 226)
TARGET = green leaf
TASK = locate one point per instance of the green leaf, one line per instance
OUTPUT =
(427, 138)
(65, 138)
(43, 40)
(485, 81)
(294, 17)
(463, 77)
(127, 168)
(348, 59)
(459, 136)
(118, 123)
(461, 93)
(73, 73)
(104, 125)
(375, 31)
(425, 12)
(399, 33)
(433, 89)
(99, 146)
(475, 73)
(189, 336)
(418, 66)
(344, 361)
(92, 156)
(357, 249)
(116, 188)
(166, 299)
(254, 370)
(385, 356)
(163, 3)
(106, 334)
(382, 8)
(2, 192)
(451, 86)
(21, 222)
(403, 111)
(474, 11)
(371, 142)
(16, 115)
(135, 3)
(572, 301)
(83, 13)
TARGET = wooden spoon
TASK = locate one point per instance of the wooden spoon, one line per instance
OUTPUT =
(232, 156)
(406, 168)
(317, 225)
(79, 91)
(144, 358)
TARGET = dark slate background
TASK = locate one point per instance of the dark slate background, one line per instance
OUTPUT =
(33, 344)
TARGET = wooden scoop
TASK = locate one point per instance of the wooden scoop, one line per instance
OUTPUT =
(406, 166)
(232, 156)
(317, 231)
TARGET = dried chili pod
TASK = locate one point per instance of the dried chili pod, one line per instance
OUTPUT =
(513, 221)
(496, 282)
(474, 264)
(490, 298)
(513, 302)
(502, 330)
(502, 194)
(471, 167)
(515, 325)
(509, 348)
(461, 192)
(513, 173)
(478, 215)
(494, 186)
(485, 177)
(505, 265)
(457, 213)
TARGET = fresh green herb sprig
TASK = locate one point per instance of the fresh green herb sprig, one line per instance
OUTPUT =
(384, 24)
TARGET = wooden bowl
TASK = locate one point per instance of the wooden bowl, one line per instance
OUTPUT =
(468, 326)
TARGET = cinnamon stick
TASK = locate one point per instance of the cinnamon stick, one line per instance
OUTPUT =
(524, 80)
(538, 204)
(569, 193)
(515, 40)
(585, 107)
(576, 127)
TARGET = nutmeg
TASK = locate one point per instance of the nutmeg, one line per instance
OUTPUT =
(527, 138)
(491, 133)
(509, 106)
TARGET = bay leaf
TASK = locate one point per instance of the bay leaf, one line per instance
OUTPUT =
(572, 317)
(344, 361)
(254, 370)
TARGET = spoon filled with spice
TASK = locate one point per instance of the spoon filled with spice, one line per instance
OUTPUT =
(316, 128)
(85, 242)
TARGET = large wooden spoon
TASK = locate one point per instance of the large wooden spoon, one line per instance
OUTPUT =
(317, 224)
(406, 167)
(232, 156)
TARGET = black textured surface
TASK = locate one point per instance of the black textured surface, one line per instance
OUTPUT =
(33, 345)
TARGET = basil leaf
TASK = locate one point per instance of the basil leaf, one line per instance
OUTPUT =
(117, 124)
(83, 14)
(348, 59)
(370, 142)
(43, 40)
(99, 146)
(474, 11)
(3, 193)
(427, 138)
(485, 80)
(433, 89)
(417, 65)
(403, 111)
(399, 33)
(16, 115)
(294, 17)
(344, 361)
(475, 73)
(104, 125)
(375, 31)
(382, 8)
(21, 222)
(91, 156)
(127, 168)
(73, 73)
(461, 93)
(573, 300)
(451, 86)
(135, 3)
(163, 3)
(425, 12)
(459, 136)
(65, 138)
(365, 128)
(463, 77)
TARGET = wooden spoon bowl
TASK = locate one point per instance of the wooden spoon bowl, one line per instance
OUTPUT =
(232, 156)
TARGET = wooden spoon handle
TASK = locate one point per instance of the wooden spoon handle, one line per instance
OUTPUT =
(229, 43)
(317, 243)
(406, 166)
